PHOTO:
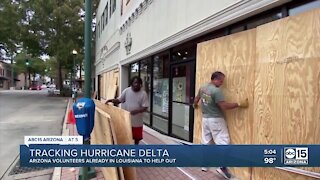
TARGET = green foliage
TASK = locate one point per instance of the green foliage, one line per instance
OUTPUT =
(10, 18)
(20, 65)
(53, 27)
(51, 66)
(35, 66)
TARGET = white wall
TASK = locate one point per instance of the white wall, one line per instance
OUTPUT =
(169, 22)
(164, 18)
(166, 23)
(109, 37)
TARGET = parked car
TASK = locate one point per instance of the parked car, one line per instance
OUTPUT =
(35, 87)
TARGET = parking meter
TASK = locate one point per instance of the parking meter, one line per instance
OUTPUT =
(84, 110)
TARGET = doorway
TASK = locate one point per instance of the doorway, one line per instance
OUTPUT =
(181, 100)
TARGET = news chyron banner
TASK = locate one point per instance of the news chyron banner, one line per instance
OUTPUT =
(67, 154)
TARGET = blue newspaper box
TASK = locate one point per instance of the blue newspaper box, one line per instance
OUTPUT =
(84, 110)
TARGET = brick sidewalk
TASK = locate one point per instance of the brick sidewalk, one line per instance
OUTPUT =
(147, 173)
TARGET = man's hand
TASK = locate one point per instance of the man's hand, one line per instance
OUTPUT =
(109, 100)
(244, 103)
(195, 106)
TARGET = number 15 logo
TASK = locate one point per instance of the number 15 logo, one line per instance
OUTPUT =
(302, 153)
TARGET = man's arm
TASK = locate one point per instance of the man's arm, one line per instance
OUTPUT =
(114, 101)
(196, 100)
(119, 100)
(225, 105)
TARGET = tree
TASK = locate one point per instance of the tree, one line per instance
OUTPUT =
(51, 68)
(28, 65)
(54, 28)
(10, 18)
(42, 27)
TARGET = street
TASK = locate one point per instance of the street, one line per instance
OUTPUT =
(25, 113)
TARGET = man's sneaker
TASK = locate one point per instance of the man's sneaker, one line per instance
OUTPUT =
(204, 169)
(224, 172)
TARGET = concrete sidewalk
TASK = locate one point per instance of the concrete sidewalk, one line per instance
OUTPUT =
(143, 173)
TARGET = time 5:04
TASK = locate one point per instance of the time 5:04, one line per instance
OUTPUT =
(269, 151)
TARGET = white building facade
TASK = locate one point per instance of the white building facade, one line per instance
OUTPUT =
(157, 40)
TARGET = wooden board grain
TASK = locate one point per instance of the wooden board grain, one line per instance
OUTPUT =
(109, 123)
(121, 121)
(104, 85)
(115, 77)
(109, 84)
(102, 134)
(287, 91)
(233, 55)
(112, 90)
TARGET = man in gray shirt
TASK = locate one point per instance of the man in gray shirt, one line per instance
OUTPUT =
(214, 127)
(134, 100)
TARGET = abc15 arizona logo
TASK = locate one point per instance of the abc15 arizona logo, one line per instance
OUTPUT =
(296, 155)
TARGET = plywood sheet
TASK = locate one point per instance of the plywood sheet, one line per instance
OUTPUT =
(234, 55)
(116, 77)
(121, 121)
(115, 141)
(102, 135)
(102, 122)
(104, 85)
(109, 84)
(112, 91)
(287, 92)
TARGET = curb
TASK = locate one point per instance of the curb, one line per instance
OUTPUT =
(65, 132)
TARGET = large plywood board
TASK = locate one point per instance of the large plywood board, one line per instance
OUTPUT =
(112, 90)
(102, 134)
(106, 121)
(115, 141)
(234, 55)
(104, 86)
(287, 91)
(116, 77)
(109, 84)
(121, 122)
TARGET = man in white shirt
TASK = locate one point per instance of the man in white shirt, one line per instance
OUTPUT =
(135, 100)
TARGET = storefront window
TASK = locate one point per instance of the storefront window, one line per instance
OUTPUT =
(184, 53)
(264, 19)
(181, 86)
(161, 92)
(145, 74)
(134, 70)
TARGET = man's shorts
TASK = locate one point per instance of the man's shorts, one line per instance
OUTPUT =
(215, 129)
(137, 133)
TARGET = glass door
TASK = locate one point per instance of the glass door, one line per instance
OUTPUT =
(181, 99)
